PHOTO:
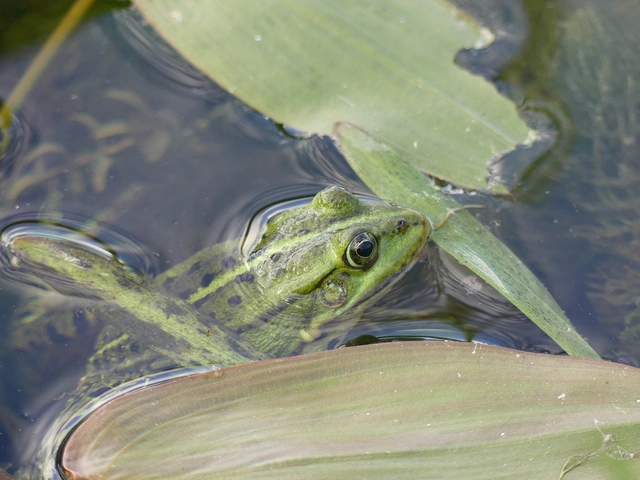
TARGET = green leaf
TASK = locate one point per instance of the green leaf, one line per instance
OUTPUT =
(461, 235)
(414, 410)
(385, 66)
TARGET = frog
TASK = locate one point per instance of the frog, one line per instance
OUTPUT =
(300, 289)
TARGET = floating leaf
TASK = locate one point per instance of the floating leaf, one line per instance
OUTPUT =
(461, 235)
(386, 67)
(413, 410)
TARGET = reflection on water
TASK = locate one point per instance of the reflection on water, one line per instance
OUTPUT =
(598, 48)
(134, 154)
(160, 60)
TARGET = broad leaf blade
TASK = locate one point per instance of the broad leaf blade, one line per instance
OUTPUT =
(384, 66)
(461, 235)
(414, 410)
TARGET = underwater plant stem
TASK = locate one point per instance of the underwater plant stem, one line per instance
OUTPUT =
(43, 58)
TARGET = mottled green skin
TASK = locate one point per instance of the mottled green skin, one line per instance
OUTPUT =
(219, 307)
(280, 297)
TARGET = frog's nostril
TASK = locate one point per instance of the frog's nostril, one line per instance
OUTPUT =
(402, 226)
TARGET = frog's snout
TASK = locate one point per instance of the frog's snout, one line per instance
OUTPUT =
(402, 226)
(411, 221)
(415, 230)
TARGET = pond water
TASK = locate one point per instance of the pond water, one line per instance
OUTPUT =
(120, 140)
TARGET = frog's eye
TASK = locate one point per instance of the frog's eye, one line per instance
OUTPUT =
(362, 251)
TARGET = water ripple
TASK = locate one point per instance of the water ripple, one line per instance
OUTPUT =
(105, 243)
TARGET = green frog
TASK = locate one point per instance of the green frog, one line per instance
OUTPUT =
(300, 289)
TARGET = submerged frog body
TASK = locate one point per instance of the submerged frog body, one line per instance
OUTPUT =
(300, 289)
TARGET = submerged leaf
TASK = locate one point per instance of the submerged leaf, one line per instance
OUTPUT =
(384, 66)
(413, 410)
(459, 234)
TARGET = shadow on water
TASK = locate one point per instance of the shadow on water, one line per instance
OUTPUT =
(127, 143)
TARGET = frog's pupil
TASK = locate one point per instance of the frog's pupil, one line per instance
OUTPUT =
(365, 249)
(362, 251)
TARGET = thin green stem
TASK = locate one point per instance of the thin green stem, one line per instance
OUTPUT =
(24, 86)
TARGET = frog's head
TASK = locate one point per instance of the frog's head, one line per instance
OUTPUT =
(336, 255)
